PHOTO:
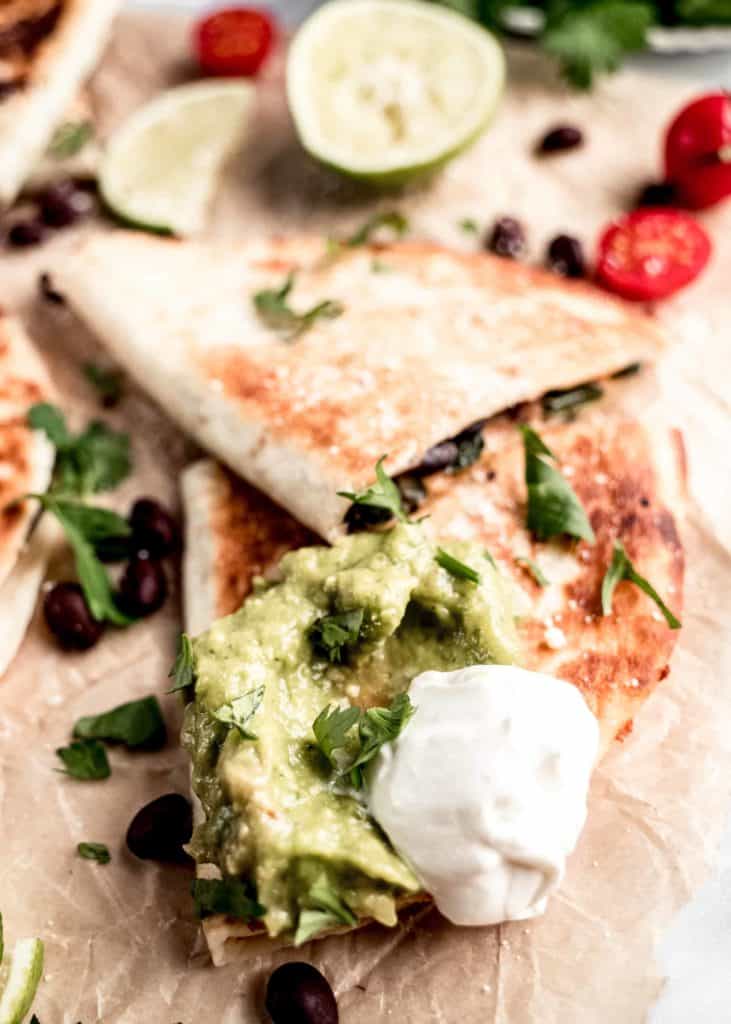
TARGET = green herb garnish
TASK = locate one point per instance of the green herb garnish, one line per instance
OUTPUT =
(332, 635)
(138, 724)
(108, 383)
(239, 712)
(85, 759)
(621, 568)
(85, 528)
(183, 670)
(69, 139)
(386, 219)
(382, 494)
(376, 726)
(553, 507)
(331, 728)
(571, 398)
(535, 570)
(273, 307)
(94, 851)
(225, 896)
(469, 226)
(455, 567)
(96, 460)
(325, 910)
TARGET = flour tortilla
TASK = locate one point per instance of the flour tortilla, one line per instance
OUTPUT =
(26, 464)
(60, 64)
(429, 341)
(630, 479)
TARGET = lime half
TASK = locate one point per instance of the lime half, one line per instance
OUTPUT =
(161, 167)
(26, 967)
(384, 90)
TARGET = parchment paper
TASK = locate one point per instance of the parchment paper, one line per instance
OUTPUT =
(120, 940)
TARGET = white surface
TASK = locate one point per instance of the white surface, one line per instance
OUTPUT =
(696, 952)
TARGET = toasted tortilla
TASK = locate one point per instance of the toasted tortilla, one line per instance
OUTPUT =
(429, 340)
(632, 483)
(48, 81)
(26, 464)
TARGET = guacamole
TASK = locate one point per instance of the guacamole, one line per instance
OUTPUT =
(274, 813)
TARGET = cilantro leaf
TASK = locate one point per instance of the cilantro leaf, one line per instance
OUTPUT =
(456, 568)
(94, 851)
(273, 308)
(332, 635)
(331, 728)
(535, 570)
(594, 37)
(385, 219)
(138, 724)
(101, 524)
(325, 910)
(553, 507)
(384, 494)
(376, 727)
(96, 460)
(704, 12)
(225, 896)
(85, 759)
(571, 398)
(469, 226)
(621, 568)
(183, 670)
(239, 712)
(69, 139)
(107, 383)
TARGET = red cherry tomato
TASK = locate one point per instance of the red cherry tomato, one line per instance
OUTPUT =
(651, 253)
(698, 151)
(234, 41)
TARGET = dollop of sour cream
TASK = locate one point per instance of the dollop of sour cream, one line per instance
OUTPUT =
(484, 792)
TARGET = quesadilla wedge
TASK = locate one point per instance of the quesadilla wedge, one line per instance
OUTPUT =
(47, 49)
(629, 479)
(26, 465)
(299, 368)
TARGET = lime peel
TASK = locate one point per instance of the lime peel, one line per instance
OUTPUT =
(26, 967)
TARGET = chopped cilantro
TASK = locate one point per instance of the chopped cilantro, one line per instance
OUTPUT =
(621, 568)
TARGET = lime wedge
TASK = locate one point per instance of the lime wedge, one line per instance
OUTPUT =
(384, 90)
(26, 967)
(161, 167)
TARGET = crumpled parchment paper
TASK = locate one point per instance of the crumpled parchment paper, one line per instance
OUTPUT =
(121, 942)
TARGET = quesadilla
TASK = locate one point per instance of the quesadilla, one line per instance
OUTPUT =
(630, 481)
(26, 465)
(47, 49)
(300, 366)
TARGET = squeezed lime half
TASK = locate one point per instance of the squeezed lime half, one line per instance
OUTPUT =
(161, 167)
(385, 90)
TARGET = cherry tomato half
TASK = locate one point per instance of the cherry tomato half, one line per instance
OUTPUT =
(698, 151)
(651, 253)
(234, 41)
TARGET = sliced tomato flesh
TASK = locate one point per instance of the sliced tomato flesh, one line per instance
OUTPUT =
(651, 253)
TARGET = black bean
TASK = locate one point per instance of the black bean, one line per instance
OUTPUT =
(413, 492)
(143, 587)
(45, 286)
(507, 238)
(69, 619)
(153, 528)
(560, 138)
(63, 204)
(160, 828)
(25, 233)
(298, 994)
(566, 257)
(360, 517)
(456, 453)
(657, 193)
